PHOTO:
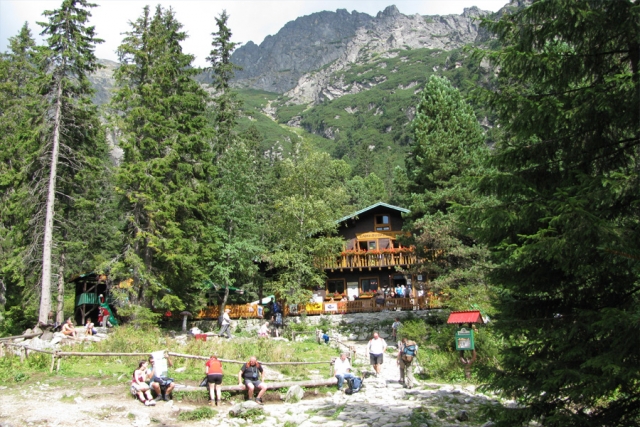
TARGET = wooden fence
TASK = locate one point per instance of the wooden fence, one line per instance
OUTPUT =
(362, 305)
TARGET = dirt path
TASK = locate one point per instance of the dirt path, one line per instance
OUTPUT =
(381, 403)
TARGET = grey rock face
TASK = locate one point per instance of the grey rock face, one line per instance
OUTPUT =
(302, 56)
(303, 45)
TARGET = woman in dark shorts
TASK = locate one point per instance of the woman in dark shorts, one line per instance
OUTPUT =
(213, 369)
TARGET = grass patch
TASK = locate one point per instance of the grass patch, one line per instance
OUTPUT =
(337, 413)
(197, 414)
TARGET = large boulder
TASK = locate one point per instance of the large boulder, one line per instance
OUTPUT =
(242, 410)
(295, 394)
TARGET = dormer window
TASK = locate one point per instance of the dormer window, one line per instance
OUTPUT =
(382, 223)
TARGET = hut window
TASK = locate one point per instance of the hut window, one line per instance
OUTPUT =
(383, 223)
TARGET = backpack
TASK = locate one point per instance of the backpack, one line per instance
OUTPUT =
(278, 319)
(409, 351)
(355, 384)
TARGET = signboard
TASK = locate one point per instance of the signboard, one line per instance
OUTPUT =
(293, 309)
(464, 339)
(330, 306)
(260, 311)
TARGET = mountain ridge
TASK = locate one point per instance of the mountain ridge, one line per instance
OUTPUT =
(301, 72)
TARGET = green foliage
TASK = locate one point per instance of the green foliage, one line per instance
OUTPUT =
(448, 154)
(254, 415)
(308, 198)
(198, 414)
(413, 330)
(565, 233)
(138, 316)
(166, 173)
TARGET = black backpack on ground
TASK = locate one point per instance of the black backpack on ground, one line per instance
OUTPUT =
(355, 384)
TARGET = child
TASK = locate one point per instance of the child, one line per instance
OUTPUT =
(139, 387)
(264, 330)
(90, 330)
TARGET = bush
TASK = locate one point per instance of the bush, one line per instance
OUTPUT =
(197, 414)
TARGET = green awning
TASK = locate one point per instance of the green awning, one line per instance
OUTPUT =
(90, 298)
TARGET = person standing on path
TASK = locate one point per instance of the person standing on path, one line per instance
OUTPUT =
(225, 324)
(407, 351)
(376, 349)
(213, 370)
(341, 369)
(394, 328)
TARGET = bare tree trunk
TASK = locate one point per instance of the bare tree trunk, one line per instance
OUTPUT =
(45, 297)
(60, 308)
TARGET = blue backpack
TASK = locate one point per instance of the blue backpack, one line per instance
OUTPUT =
(355, 384)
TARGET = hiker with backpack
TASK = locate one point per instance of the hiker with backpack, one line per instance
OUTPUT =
(407, 352)
(342, 370)
(252, 375)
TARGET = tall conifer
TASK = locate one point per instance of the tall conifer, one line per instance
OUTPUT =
(446, 156)
(238, 176)
(566, 233)
(71, 132)
(166, 175)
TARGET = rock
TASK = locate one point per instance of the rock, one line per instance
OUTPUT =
(241, 409)
(46, 336)
(295, 394)
(182, 369)
(441, 413)
(462, 416)
(488, 424)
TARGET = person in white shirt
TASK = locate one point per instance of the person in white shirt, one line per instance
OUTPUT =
(341, 369)
(376, 348)
(226, 324)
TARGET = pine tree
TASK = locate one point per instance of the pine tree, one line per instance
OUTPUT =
(447, 153)
(73, 134)
(566, 231)
(167, 172)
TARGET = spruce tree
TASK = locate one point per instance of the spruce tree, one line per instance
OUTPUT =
(74, 141)
(237, 176)
(166, 176)
(566, 233)
(446, 156)
(19, 104)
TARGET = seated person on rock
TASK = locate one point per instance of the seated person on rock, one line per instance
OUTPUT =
(68, 328)
(252, 375)
(139, 388)
(342, 369)
(90, 328)
(157, 376)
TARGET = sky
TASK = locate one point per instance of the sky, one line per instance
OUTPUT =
(249, 20)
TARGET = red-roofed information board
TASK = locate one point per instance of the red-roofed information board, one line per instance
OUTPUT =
(459, 317)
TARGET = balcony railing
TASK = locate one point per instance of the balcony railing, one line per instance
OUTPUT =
(362, 260)
(364, 305)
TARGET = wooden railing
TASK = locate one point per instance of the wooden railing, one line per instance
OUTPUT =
(367, 260)
(365, 305)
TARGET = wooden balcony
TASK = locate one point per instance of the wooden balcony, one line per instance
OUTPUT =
(367, 260)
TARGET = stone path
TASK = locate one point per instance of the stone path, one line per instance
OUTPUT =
(382, 402)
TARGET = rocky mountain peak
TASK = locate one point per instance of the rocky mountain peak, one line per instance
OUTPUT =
(389, 11)
(300, 57)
